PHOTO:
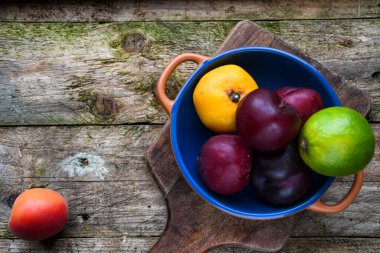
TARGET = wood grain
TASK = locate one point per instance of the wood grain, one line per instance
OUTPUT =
(136, 208)
(60, 74)
(75, 153)
(361, 216)
(143, 244)
(100, 170)
(44, 152)
(127, 202)
(320, 245)
(85, 11)
(94, 73)
(80, 245)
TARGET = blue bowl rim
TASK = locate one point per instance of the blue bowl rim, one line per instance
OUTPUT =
(195, 186)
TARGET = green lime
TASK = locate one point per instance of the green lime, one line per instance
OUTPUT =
(336, 141)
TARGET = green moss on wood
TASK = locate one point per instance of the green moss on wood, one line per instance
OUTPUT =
(272, 26)
(6, 234)
(160, 38)
(89, 136)
(157, 38)
(146, 85)
(86, 229)
(88, 97)
(114, 44)
(39, 185)
(103, 45)
(42, 31)
(91, 112)
(39, 172)
(81, 81)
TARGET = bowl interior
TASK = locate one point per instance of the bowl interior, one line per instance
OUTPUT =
(271, 69)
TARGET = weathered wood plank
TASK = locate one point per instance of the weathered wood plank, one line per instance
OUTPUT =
(93, 73)
(360, 219)
(94, 153)
(75, 153)
(59, 74)
(127, 208)
(143, 244)
(103, 173)
(320, 245)
(84, 11)
(80, 245)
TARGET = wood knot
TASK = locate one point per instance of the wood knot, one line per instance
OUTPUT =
(133, 42)
(84, 165)
(105, 107)
(83, 161)
(346, 43)
(39, 185)
(83, 217)
(11, 199)
(376, 75)
(231, 9)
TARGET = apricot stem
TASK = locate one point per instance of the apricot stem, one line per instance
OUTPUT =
(234, 96)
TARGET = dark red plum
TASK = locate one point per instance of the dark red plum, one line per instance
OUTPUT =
(225, 164)
(265, 121)
(306, 101)
(280, 177)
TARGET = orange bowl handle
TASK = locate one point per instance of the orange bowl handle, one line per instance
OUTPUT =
(167, 103)
(321, 207)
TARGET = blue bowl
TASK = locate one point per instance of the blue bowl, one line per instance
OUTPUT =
(271, 69)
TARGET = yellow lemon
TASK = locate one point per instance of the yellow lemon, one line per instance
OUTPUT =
(217, 95)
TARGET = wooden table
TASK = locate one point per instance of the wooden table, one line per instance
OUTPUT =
(78, 110)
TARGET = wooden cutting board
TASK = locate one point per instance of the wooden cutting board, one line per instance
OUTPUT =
(193, 224)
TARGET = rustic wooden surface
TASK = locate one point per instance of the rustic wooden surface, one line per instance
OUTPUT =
(67, 91)
(91, 73)
(103, 11)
